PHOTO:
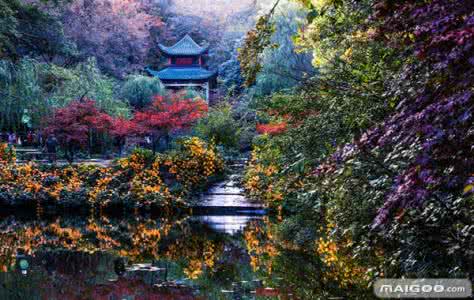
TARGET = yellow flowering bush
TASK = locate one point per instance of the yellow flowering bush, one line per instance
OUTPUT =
(20, 183)
(261, 182)
(145, 180)
(135, 181)
(194, 163)
(7, 154)
(264, 179)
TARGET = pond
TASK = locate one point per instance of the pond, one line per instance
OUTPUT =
(106, 257)
(226, 248)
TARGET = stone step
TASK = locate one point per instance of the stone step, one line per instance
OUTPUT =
(228, 211)
(223, 194)
(227, 200)
(237, 162)
(236, 165)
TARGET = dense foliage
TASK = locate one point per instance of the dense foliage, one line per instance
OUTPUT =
(139, 90)
(220, 126)
(284, 65)
(27, 30)
(377, 147)
(364, 112)
(73, 125)
(168, 114)
(32, 90)
(140, 180)
(255, 43)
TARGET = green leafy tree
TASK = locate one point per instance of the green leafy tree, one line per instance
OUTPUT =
(220, 126)
(22, 94)
(85, 80)
(25, 30)
(139, 90)
(284, 66)
(256, 41)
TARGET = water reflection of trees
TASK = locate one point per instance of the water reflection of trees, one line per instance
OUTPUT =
(79, 255)
(295, 271)
(84, 253)
(135, 239)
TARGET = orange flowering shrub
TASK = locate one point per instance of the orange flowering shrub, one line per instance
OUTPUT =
(7, 154)
(261, 183)
(135, 181)
(194, 163)
(144, 178)
(20, 184)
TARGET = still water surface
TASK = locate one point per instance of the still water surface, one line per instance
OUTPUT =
(190, 257)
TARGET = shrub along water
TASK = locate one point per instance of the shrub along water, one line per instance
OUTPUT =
(142, 180)
(374, 164)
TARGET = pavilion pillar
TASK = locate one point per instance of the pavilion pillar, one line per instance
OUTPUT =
(207, 92)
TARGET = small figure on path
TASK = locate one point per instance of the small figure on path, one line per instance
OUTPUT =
(51, 144)
(11, 138)
(29, 138)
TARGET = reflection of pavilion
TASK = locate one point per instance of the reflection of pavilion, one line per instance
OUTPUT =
(186, 67)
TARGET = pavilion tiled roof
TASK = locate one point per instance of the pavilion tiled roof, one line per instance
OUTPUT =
(186, 46)
(182, 73)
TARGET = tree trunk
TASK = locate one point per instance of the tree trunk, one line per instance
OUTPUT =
(153, 143)
(70, 153)
(90, 143)
(121, 144)
(167, 140)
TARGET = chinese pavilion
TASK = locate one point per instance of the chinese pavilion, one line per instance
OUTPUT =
(186, 67)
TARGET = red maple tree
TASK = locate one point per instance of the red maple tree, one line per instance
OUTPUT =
(121, 129)
(73, 124)
(168, 114)
(272, 128)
